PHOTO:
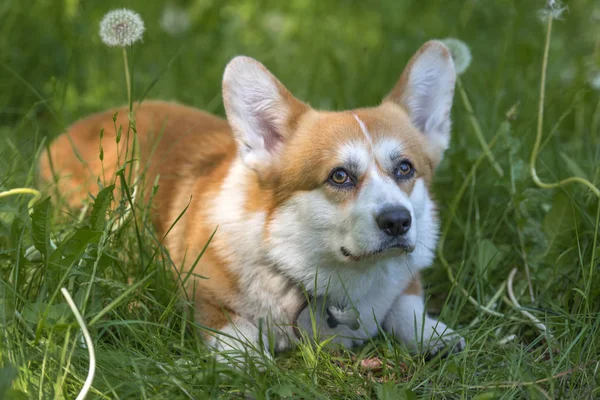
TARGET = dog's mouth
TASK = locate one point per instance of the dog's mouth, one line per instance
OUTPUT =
(403, 247)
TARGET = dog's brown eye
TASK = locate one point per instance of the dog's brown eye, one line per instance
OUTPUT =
(404, 170)
(340, 176)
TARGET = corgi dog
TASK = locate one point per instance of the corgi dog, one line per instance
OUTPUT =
(320, 220)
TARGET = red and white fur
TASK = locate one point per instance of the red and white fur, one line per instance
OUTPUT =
(333, 206)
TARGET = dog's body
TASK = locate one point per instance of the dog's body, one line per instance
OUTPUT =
(330, 205)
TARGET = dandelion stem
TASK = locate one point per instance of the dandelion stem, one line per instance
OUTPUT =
(89, 343)
(540, 126)
(127, 78)
(477, 128)
(513, 299)
(35, 193)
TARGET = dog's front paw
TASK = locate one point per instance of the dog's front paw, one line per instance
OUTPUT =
(242, 358)
(408, 322)
(240, 345)
(438, 338)
(450, 342)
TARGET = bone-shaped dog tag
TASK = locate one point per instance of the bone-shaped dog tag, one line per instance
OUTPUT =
(346, 316)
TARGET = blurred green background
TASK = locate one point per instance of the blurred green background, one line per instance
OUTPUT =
(334, 54)
(342, 54)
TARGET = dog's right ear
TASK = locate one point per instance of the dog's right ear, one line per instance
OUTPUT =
(425, 90)
(261, 111)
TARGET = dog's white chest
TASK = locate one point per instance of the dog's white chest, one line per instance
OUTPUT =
(353, 316)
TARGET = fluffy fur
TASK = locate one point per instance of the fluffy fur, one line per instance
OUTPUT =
(288, 230)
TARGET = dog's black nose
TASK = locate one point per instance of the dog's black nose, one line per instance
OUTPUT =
(394, 221)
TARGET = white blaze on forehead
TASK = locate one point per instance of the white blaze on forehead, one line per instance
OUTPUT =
(363, 129)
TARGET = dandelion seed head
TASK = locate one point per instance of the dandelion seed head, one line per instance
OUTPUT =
(461, 54)
(594, 80)
(553, 9)
(121, 28)
(174, 20)
(596, 15)
(274, 22)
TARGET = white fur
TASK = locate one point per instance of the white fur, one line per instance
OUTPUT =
(238, 340)
(426, 225)
(268, 296)
(420, 333)
(385, 149)
(357, 153)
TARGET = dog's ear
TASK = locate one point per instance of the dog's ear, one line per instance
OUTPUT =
(261, 111)
(425, 90)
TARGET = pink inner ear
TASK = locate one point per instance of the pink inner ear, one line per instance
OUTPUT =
(271, 136)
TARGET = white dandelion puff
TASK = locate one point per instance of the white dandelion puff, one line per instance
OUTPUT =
(461, 54)
(592, 73)
(596, 15)
(553, 9)
(174, 20)
(594, 80)
(274, 22)
(121, 28)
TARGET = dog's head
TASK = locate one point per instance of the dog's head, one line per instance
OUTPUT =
(344, 188)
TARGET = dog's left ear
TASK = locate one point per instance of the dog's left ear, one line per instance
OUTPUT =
(425, 90)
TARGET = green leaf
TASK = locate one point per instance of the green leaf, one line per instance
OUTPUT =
(73, 248)
(120, 298)
(453, 368)
(40, 226)
(17, 231)
(284, 389)
(13, 394)
(7, 375)
(573, 167)
(391, 391)
(7, 306)
(101, 204)
(560, 221)
(410, 395)
(488, 256)
(53, 314)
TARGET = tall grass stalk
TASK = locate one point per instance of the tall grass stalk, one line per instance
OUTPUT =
(540, 128)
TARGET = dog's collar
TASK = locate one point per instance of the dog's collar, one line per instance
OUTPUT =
(336, 315)
(346, 315)
(343, 316)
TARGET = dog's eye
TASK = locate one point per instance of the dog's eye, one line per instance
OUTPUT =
(340, 176)
(404, 170)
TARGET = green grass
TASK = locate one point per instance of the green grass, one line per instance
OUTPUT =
(336, 55)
